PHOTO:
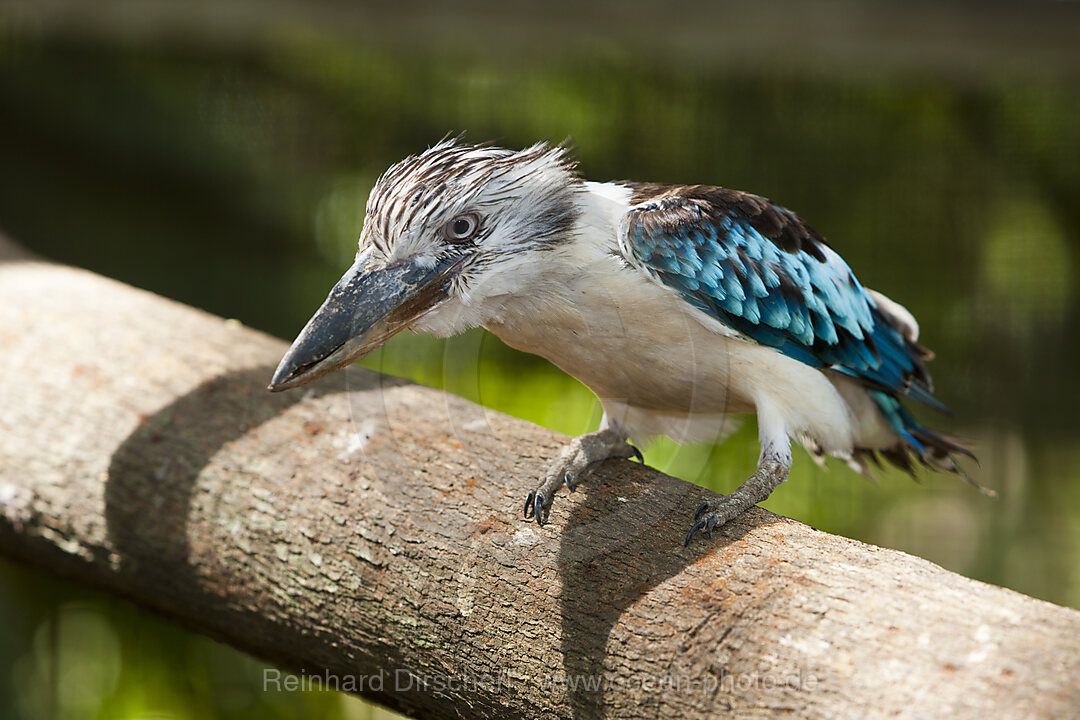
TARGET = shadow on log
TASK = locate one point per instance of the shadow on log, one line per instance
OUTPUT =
(368, 530)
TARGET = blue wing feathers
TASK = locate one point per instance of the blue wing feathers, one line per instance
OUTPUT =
(760, 270)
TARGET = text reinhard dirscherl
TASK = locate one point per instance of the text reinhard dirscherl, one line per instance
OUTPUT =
(403, 680)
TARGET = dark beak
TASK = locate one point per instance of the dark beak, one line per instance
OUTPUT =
(366, 308)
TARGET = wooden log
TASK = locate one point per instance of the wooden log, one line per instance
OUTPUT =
(368, 531)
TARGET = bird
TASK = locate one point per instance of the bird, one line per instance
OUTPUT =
(679, 306)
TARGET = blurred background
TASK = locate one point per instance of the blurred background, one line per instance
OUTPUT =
(221, 153)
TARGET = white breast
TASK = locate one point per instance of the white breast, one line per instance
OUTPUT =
(658, 365)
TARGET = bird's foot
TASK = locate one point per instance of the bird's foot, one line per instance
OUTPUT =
(574, 462)
(715, 513)
(719, 511)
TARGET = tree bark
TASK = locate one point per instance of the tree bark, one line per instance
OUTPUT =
(369, 531)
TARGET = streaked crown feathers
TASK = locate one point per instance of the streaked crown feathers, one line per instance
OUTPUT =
(522, 196)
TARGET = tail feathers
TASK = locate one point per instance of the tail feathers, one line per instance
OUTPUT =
(918, 445)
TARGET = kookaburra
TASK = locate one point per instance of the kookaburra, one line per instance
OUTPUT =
(678, 305)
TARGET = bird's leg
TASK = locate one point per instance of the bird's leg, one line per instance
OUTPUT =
(773, 467)
(576, 459)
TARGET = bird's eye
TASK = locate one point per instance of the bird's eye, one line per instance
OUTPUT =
(462, 227)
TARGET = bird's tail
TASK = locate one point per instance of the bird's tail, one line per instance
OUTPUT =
(918, 445)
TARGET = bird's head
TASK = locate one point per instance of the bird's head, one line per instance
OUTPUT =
(448, 235)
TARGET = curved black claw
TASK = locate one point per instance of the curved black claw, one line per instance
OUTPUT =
(570, 480)
(638, 454)
(700, 510)
(697, 526)
(534, 507)
(707, 523)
